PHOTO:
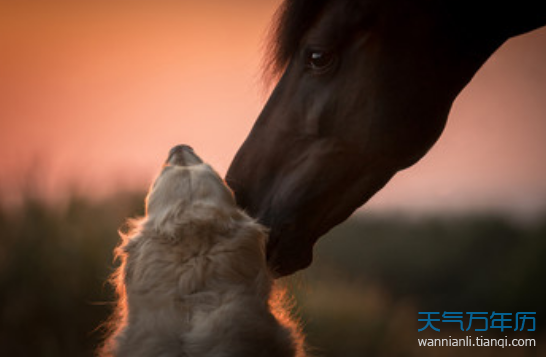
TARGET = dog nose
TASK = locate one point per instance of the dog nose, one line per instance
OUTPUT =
(180, 148)
(183, 155)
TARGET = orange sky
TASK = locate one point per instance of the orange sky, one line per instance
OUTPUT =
(96, 92)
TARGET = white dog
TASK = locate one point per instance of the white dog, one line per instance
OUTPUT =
(194, 280)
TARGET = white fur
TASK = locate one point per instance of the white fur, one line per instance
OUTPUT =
(194, 280)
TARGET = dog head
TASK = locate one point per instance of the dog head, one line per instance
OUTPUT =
(187, 189)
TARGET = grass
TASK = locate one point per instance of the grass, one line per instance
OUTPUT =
(370, 278)
(53, 268)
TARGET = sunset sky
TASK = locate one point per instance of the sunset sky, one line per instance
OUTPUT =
(94, 93)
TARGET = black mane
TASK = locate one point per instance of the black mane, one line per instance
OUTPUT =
(292, 20)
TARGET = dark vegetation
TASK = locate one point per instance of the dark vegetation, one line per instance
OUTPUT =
(361, 296)
(372, 275)
(54, 264)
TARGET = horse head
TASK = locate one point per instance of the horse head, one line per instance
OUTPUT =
(364, 90)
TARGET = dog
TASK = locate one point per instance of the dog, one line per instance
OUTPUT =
(193, 279)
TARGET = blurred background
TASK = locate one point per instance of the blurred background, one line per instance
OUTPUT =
(94, 93)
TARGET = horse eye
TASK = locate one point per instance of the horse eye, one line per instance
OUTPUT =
(319, 61)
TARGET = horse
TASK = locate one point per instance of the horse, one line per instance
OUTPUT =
(363, 90)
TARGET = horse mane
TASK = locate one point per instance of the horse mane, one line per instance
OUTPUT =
(291, 21)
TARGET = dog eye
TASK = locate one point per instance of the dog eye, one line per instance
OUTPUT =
(319, 61)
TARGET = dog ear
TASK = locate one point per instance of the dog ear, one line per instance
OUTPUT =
(130, 245)
(127, 251)
(131, 236)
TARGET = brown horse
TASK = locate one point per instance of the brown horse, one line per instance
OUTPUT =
(364, 90)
